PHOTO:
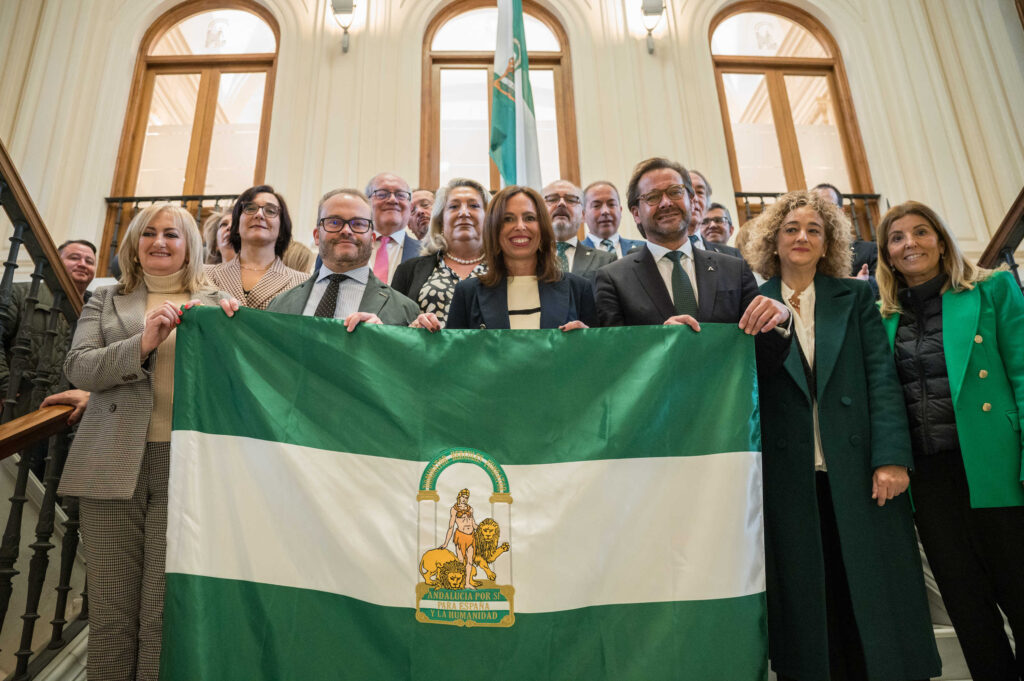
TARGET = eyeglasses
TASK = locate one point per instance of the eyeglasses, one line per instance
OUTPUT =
(384, 194)
(570, 199)
(269, 209)
(674, 192)
(333, 224)
(715, 221)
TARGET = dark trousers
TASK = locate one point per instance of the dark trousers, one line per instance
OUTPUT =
(977, 556)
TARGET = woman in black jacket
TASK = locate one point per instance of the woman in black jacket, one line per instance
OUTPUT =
(453, 251)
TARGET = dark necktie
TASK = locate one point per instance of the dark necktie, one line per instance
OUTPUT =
(562, 246)
(694, 239)
(682, 290)
(608, 245)
(329, 303)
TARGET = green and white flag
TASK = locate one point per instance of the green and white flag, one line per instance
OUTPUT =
(513, 123)
(328, 490)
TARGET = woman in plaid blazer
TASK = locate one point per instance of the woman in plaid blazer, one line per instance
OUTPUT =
(123, 353)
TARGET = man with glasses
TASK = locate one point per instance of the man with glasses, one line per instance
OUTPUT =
(671, 282)
(391, 203)
(344, 287)
(565, 205)
(701, 198)
(602, 211)
(716, 227)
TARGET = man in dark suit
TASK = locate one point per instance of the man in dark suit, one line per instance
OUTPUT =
(565, 206)
(671, 282)
(865, 253)
(602, 211)
(701, 198)
(344, 287)
(391, 203)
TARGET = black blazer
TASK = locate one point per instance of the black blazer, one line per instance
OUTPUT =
(721, 248)
(631, 292)
(475, 306)
(412, 274)
(865, 253)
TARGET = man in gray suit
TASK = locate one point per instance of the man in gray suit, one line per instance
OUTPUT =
(344, 287)
(565, 205)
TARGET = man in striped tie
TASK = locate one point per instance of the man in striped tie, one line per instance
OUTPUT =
(344, 286)
(668, 281)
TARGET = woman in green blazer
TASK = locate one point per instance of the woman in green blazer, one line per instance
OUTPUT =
(845, 590)
(957, 332)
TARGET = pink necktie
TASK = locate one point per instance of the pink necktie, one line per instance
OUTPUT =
(380, 263)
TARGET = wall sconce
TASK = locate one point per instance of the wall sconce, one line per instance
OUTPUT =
(344, 13)
(652, 11)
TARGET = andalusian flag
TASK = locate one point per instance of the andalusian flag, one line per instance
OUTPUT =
(513, 123)
(392, 504)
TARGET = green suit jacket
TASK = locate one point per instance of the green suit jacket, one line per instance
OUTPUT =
(983, 339)
(378, 298)
(863, 425)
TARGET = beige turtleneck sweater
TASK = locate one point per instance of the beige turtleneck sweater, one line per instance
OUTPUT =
(163, 288)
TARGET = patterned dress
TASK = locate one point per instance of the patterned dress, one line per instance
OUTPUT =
(436, 294)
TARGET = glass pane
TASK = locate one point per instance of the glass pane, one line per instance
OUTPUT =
(465, 129)
(168, 135)
(477, 30)
(753, 133)
(236, 133)
(542, 81)
(222, 31)
(758, 34)
(817, 132)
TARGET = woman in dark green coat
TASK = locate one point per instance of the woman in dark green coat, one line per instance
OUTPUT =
(845, 590)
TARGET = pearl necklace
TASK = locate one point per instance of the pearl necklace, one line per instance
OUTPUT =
(472, 261)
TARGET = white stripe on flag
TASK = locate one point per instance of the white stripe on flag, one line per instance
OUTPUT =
(583, 533)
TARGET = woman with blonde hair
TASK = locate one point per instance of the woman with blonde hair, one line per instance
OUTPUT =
(453, 250)
(957, 331)
(123, 353)
(845, 590)
(216, 232)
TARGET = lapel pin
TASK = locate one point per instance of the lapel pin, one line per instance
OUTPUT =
(711, 268)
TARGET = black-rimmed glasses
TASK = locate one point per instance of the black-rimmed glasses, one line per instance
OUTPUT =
(674, 192)
(570, 199)
(717, 220)
(333, 223)
(385, 194)
(269, 209)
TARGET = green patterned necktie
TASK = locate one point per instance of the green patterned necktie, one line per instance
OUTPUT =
(682, 290)
(562, 247)
(608, 245)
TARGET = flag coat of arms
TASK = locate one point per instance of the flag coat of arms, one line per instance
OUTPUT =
(395, 504)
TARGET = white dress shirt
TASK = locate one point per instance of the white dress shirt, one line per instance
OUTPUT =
(570, 253)
(350, 291)
(803, 324)
(665, 265)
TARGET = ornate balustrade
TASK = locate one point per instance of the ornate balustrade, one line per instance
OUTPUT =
(41, 437)
(864, 210)
(121, 210)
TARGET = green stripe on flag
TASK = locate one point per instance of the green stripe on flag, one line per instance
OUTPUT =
(523, 397)
(243, 630)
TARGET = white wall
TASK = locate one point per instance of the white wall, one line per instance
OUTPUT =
(938, 89)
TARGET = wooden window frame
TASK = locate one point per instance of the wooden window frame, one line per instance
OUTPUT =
(775, 69)
(209, 68)
(430, 102)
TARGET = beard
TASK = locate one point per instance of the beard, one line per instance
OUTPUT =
(345, 260)
(563, 227)
(668, 229)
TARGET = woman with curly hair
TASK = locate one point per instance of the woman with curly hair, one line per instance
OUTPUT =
(958, 335)
(845, 589)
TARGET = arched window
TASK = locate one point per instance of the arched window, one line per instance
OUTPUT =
(199, 112)
(786, 106)
(458, 59)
